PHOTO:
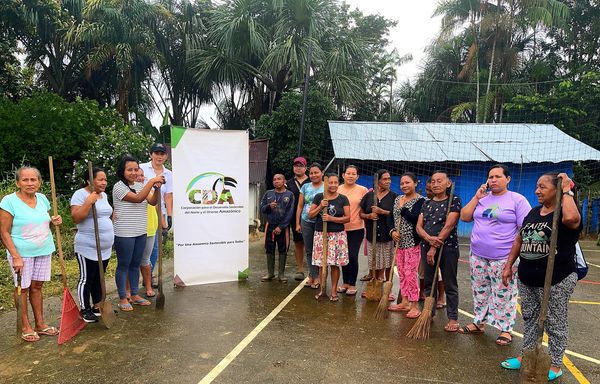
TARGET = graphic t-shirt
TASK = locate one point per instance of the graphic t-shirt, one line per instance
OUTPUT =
(354, 195)
(85, 238)
(434, 219)
(497, 220)
(30, 230)
(309, 192)
(533, 258)
(335, 208)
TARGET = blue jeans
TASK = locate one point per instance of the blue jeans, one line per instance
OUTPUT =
(308, 232)
(154, 255)
(129, 252)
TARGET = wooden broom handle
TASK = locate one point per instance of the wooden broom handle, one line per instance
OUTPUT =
(374, 240)
(437, 264)
(61, 258)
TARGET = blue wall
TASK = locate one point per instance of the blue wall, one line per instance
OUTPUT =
(472, 175)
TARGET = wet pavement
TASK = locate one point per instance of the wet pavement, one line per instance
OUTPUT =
(308, 341)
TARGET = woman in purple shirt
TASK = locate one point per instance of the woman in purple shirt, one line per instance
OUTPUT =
(497, 214)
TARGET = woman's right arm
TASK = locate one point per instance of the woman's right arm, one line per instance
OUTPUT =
(80, 212)
(6, 221)
(144, 192)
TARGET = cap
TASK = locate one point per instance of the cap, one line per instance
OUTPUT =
(158, 147)
(300, 160)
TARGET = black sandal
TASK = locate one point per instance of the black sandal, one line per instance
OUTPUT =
(466, 330)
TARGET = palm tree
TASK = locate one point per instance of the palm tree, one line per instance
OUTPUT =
(120, 33)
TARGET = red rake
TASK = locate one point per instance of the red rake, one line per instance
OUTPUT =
(70, 320)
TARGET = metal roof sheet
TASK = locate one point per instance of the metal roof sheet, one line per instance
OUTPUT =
(428, 142)
(258, 157)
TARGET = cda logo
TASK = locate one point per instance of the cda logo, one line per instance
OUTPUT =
(211, 188)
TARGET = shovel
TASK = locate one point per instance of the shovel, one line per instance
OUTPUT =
(70, 320)
(160, 297)
(536, 362)
(106, 311)
(18, 305)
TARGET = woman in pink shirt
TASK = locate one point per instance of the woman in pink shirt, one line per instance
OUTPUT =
(355, 229)
(497, 214)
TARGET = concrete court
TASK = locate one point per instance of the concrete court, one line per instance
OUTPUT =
(308, 341)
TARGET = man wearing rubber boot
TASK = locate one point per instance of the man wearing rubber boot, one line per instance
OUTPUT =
(278, 205)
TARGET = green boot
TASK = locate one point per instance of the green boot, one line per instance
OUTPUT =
(281, 275)
(270, 268)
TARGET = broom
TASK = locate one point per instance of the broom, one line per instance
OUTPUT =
(536, 363)
(70, 321)
(325, 245)
(382, 309)
(422, 327)
(106, 312)
(18, 306)
(373, 291)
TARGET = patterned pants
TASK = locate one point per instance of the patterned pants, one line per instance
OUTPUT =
(408, 265)
(493, 303)
(556, 324)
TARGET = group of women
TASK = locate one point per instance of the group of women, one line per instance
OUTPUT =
(507, 236)
(25, 232)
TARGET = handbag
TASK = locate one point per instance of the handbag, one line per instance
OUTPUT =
(580, 263)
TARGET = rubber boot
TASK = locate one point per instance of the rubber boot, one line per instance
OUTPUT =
(270, 268)
(281, 275)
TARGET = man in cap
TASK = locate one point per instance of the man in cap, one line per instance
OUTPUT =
(156, 167)
(294, 184)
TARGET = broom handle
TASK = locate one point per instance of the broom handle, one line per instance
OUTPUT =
(325, 245)
(397, 245)
(97, 235)
(551, 257)
(374, 240)
(63, 270)
(437, 263)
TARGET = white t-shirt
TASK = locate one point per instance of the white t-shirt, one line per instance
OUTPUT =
(85, 238)
(131, 219)
(165, 188)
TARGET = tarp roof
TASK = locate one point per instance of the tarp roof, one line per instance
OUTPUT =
(438, 142)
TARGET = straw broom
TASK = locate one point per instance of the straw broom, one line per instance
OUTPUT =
(373, 291)
(382, 309)
(325, 245)
(422, 327)
(536, 362)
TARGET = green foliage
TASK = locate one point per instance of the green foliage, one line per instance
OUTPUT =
(43, 125)
(282, 128)
(109, 146)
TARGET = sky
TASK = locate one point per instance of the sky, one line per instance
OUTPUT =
(414, 31)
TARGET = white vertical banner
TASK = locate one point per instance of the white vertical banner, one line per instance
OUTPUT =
(210, 205)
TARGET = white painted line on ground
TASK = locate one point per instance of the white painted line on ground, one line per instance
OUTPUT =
(593, 265)
(216, 371)
(520, 335)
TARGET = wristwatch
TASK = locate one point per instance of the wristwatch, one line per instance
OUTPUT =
(569, 193)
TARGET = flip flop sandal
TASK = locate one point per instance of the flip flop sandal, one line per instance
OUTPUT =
(315, 286)
(366, 278)
(554, 375)
(391, 297)
(413, 316)
(397, 308)
(151, 295)
(440, 305)
(503, 340)
(125, 307)
(48, 331)
(142, 302)
(30, 337)
(467, 330)
(334, 298)
(307, 285)
(351, 292)
(512, 363)
(342, 290)
(451, 327)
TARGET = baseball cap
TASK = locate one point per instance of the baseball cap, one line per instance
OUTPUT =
(300, 160)
(158, 147)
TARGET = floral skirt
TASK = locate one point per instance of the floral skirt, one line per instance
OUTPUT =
(337, 249)
(383, 258)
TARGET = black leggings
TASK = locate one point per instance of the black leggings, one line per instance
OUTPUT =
(89, 281)
(350, 271)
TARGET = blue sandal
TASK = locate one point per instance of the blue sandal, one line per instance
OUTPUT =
(512, 363)
(554, 375)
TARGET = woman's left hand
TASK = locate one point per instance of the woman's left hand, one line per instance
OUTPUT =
(567, 183)
(56, 220)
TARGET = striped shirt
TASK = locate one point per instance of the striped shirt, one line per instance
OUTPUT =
(131, 219)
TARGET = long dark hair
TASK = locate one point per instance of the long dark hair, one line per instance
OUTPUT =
(85, 176)
(121, 170)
